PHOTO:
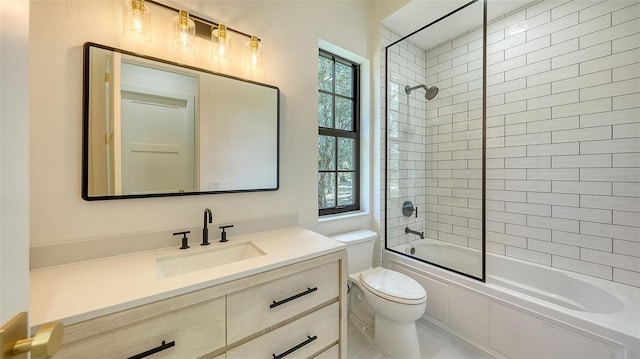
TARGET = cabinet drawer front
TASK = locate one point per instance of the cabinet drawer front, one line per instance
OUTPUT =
(261, 306)
(301, 338)
(331, 353)
(196, 330)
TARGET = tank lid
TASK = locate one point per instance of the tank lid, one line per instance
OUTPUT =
(355, 237)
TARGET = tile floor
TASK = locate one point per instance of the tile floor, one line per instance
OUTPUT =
(435, 343)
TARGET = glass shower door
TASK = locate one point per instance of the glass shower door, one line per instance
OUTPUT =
(434, 180)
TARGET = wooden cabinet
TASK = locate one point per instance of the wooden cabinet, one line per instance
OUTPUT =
(331, 353)
(299, 308)
(261, 306)
(301, 338)
(188, 332)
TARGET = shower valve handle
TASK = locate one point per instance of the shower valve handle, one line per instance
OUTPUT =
(408, 209)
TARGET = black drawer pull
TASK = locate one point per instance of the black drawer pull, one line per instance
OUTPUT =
(309, 340)
(162, 347)
(308, 291)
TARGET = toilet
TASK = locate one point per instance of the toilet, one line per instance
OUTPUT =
(395, 299)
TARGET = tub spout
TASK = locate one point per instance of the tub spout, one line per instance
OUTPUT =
(408, 230)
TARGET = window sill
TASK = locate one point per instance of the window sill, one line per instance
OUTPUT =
(341, 216)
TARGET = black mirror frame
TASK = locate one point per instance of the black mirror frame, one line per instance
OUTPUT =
(85, 128)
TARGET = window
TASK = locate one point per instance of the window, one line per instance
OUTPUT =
(338, 135)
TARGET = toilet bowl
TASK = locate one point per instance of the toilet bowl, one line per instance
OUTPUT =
(396, 300)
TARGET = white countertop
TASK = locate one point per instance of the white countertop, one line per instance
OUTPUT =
(79, 291)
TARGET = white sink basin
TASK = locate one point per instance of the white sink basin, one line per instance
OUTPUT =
(190, 262)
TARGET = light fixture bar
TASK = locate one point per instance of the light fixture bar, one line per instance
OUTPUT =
(203, 26)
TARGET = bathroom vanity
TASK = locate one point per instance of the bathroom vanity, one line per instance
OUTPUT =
(288, 298)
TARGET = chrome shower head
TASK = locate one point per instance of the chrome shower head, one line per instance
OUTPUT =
(430, 93)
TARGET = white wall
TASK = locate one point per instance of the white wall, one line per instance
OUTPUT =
(290, 31)
(14, 171)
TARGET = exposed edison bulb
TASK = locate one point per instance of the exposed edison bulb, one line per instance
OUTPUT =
(183, 32)
(253, 53)
(221, 44)
(137, 20)
(138, 13)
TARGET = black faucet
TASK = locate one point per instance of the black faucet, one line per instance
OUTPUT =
(223, 235)
(205, 230)
(185, 240)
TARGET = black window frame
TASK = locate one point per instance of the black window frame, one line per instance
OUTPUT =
(337, 133)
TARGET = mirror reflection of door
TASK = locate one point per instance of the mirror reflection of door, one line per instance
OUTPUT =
(157, 132)
(156, 140)
(101, 149)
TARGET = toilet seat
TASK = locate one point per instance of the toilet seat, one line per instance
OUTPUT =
(393, 286)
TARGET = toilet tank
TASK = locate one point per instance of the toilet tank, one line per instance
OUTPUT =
(359, 249)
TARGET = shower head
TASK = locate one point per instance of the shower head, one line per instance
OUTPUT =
(430, 93)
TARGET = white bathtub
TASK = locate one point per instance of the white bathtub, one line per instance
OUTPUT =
(526, 310)
(462, 259)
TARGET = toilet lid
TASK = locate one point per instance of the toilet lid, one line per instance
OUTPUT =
(393, 286)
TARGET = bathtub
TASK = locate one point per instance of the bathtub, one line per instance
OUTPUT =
(461, 259)
(525, 310)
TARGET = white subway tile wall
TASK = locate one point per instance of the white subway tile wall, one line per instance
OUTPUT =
(435, 146)
(407, 160)
(563, 137)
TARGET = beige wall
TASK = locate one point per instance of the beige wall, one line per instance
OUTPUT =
(290, 31)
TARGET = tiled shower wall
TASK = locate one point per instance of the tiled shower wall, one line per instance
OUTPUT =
(563, 131)
(435, 148)
(406, 139)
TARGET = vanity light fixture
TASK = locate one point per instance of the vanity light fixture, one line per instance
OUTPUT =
(183, 32)
(137, 20)
(253, 53)
(220, 44)
(185, 27)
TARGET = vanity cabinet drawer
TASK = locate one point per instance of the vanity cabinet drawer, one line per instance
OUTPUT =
(259, 307)
(299, 339)
(195, 330)
(331, 353)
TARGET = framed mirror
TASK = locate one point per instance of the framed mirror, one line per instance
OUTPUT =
(158, 128)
